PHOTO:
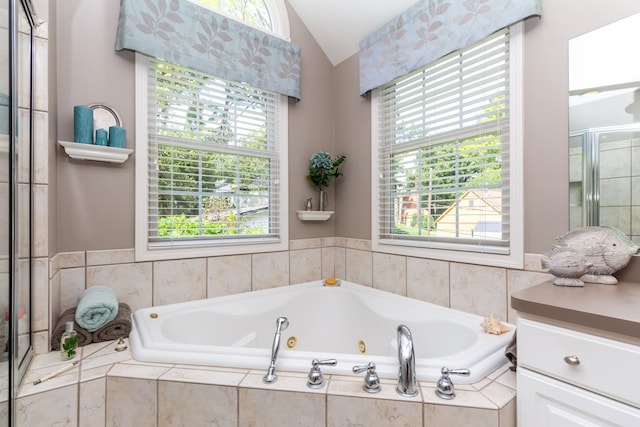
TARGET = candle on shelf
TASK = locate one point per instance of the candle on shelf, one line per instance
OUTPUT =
(83, 124)
(117, 136)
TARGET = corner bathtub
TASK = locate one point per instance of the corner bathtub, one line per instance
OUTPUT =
(352, 323)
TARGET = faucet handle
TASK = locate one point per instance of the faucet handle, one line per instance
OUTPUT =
(371, 379)
(444, 386)
(315, 374)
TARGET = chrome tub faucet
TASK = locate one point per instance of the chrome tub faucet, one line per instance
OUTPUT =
(406, 358)
(282, 323)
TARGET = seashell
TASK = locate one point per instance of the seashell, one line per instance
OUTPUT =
(491, 325)
(590, 254)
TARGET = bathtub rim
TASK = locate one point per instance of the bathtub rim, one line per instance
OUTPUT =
(300, 361)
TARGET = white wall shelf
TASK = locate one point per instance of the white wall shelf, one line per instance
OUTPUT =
(314, 215)
(99, 153)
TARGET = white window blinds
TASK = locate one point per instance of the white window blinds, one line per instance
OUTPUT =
(443, 160)
(214, 159)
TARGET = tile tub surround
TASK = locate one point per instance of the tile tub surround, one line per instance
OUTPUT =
(476, 289)
(110, 388)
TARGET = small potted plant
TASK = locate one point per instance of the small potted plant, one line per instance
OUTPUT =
(321, 169)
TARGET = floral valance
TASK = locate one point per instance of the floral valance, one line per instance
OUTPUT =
(431, 29)
(196, 37)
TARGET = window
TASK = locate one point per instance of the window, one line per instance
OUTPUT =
(211, 162)
(447, 157)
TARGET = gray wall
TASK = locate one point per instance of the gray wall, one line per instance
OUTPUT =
(95, 201)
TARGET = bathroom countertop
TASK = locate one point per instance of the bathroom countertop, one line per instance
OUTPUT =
(610, 308)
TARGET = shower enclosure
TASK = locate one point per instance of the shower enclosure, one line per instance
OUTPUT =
(604, 178)
(16, 182)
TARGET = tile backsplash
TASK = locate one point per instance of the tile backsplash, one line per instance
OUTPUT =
(477, 289)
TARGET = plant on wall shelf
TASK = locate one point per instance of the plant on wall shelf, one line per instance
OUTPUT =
(322, 168)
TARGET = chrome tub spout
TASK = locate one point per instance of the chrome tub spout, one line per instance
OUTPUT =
(406, 358)
(282, 323)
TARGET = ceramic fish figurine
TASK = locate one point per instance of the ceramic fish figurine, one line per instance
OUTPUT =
(589, 254)
(568, 265)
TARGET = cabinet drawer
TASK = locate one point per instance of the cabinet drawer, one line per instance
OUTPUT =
(546, 402)
(605, 366)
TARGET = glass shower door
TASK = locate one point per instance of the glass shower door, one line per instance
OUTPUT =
(604, 175)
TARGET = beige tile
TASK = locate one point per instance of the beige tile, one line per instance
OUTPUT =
(328, 262)
(295, 245)
(50, 408)
(228, 275)
(88, 373)
(4, 411)
(305, 265)
(149, 372)
(54, 265)
(349, 411)
(469, 398)
(533, 262)
(41, 342)
(40, 293)
(54, 299)
(287, 381)
(269, 270)
(203, 376)
(41, 147)
(479, 289)
(518, 281)
(104, 361)
(428, 280)
(91, 412)
(340, 242)
(363, 245)
(328, 242)
(339, 260)
(269, 408)
(40, 238)
(113, 256)
(358, 266)
(187, 404)
(62, 380)
(71, 259)
(179, 281)
(507, 379)
(41, 85)
(100, 349)
(390, 273)
(131, 282)
(352, 387)
(131, 402)
(455, 416)
(499, 394)
(508, 415)
(72, 283)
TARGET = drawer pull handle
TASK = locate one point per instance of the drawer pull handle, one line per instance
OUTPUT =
(572, 360)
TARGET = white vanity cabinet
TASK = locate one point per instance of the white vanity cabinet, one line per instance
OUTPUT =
(567, 377)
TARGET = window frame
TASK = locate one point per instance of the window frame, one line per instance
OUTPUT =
(461, 252)
(144, 251)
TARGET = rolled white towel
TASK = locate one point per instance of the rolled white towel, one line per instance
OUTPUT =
(98, 306)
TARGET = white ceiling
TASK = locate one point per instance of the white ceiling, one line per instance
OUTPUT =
(339, 25)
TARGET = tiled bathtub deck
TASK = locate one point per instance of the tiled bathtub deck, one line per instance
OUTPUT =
(109, 388)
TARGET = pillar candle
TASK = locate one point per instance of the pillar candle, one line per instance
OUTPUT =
(83, 124)
(117, 136)
(101, 137)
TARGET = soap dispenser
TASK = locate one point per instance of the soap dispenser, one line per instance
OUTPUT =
(68, 342)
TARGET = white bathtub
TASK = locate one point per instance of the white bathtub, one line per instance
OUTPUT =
(352, 323)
